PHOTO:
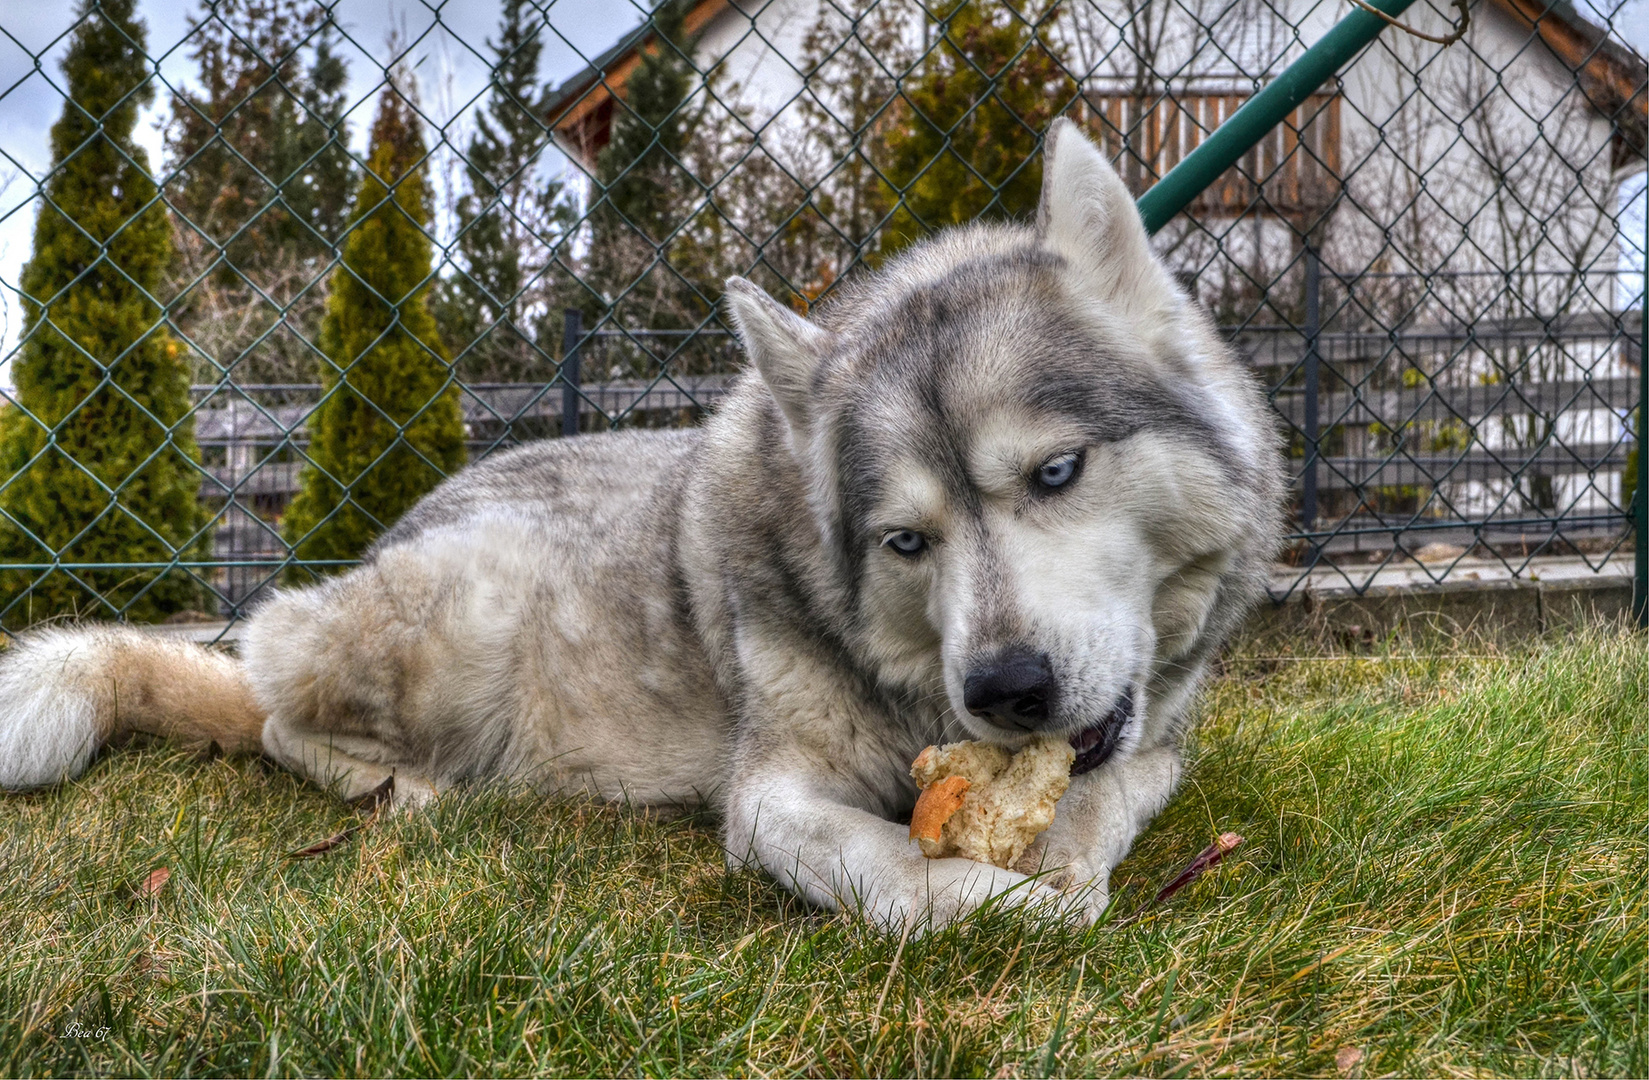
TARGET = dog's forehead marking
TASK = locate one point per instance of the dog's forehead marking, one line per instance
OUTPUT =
(913, 496)
(987, 395)
(1002, 330)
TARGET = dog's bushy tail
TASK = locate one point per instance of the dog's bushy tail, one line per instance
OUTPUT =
(67, 691)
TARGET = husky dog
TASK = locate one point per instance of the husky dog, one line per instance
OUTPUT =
(1011, 484)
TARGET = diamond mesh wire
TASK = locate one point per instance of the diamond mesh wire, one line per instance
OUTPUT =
(1434, 264)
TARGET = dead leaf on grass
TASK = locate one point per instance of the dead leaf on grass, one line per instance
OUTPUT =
(155, 882)
(1347, 1058)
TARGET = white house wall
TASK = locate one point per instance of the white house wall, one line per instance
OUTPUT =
(1421, 154)
(755, 51)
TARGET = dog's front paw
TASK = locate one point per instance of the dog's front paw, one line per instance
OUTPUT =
(947, 890)
(1084, 890)
(1087, 897)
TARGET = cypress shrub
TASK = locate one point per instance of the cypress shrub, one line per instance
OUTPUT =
(102, 389)
(388, 427)
(649, 259)
(260, 181)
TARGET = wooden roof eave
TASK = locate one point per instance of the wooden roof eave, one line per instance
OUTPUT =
(1612, 77)
(574, 100)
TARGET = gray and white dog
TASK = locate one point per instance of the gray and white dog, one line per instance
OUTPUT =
(1013, 483)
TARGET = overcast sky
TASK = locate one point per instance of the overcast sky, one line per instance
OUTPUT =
(449, 53)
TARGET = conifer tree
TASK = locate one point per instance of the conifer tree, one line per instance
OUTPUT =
(102, 395)
(852, 59)
(509, 221)
(644, 258)
(261, 157)
(388, 427)
(320, 196)
(262, 185)
(967, 147)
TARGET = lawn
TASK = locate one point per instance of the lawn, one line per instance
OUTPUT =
(1446, 872)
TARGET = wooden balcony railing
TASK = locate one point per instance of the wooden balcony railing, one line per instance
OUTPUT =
(1293, 172)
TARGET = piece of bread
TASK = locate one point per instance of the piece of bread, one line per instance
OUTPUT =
(984, 802)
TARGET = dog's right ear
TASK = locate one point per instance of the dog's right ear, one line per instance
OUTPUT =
(785, 347)
(1088, 216)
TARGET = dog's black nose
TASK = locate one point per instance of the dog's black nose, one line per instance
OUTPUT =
(1013, 689)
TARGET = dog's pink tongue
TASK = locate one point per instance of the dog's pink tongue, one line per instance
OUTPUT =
(1087, 739)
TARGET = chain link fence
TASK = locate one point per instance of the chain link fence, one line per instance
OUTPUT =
(233, 361)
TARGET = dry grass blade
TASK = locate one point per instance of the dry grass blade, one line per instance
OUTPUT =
(898, 953)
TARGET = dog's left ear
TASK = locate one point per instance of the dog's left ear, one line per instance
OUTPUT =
(1088, 216)
(785, 347)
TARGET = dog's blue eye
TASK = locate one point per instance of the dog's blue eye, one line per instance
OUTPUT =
(1055, 472)
(906, 542)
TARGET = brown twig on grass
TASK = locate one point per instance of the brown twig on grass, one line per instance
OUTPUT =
(372, 801)
(1222, 846)
(321, 847)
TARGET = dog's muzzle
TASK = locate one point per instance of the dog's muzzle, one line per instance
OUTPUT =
(1095, 745)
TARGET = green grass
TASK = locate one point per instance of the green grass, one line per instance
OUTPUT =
(1445, 873)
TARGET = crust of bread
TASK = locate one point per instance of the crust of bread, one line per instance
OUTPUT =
(935, 806)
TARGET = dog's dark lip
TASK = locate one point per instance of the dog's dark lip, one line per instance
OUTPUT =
(1095, 745)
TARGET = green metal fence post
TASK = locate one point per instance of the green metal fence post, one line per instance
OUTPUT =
(1313, 365)
(1640, 578)
(572, 335)
(1264, 111)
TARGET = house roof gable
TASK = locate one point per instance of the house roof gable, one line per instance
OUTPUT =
(1611, 76)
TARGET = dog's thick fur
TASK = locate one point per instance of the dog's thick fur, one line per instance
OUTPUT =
(720, 616)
